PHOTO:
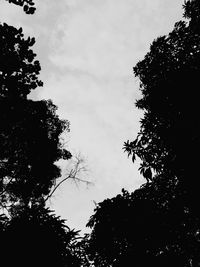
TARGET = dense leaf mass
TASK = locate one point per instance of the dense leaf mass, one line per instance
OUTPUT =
(36, 237)
(169, 137)
(18, 68)
(30, 131)
(151, 227)
(30, 145)
(159, 224)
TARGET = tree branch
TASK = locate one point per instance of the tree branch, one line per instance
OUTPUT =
(73, 173)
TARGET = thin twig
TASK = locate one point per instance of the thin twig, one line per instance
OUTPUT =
(72, 174)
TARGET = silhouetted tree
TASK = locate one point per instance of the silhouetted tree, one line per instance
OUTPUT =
(30, 146)
(169, 137)
(36, 237)
(152, 226)
(159, 224)
(28, 5)
(30, 130)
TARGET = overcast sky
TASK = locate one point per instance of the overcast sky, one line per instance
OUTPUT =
(87, 49)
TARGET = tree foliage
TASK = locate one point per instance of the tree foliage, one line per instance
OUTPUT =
(30, 130)
(159, 224)
(36, 237)
(28, 5)
(30, 146)
(152, 226)
(169, 137)
(19, 69)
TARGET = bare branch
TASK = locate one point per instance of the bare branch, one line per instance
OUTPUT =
(75, 168)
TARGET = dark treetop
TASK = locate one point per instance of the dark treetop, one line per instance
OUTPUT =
(159, 224)
(30, 146)
(30, 130)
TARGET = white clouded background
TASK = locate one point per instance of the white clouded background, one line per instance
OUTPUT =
(87, 49)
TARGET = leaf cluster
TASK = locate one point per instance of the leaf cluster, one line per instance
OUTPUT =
(18, 69)
(28, 5)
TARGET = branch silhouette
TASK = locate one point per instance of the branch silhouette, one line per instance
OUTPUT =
(74, 173)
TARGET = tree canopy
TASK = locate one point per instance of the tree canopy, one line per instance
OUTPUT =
(37, 237)
(30, 130)
(159, 223)
(151, 226)
(30, 146)
(169, 137)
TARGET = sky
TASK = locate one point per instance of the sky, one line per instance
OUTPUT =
(87, 50)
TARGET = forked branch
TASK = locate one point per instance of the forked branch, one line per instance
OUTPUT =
(74, 170)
